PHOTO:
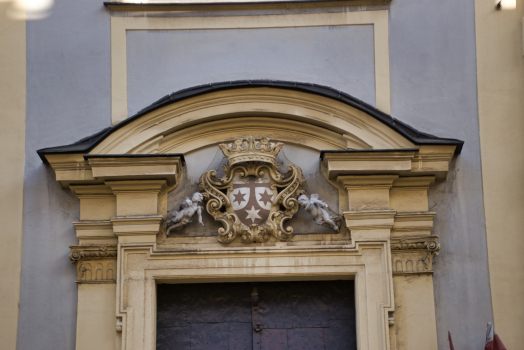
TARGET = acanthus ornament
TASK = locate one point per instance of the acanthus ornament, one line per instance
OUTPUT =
(252, 199)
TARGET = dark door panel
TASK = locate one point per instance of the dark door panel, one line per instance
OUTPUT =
(257, 316)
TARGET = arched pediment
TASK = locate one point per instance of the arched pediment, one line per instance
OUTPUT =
(315, 116)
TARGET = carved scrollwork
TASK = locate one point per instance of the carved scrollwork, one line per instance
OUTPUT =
(430, 244)
(413, 254)
(267, 197)
(94, 264)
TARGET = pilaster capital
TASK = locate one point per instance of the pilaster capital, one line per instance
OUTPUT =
(94, 263)
(413, 254)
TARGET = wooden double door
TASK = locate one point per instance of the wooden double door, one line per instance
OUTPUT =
(312, 315)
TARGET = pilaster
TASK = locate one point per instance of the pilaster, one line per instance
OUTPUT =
(120, 202)
(387, 194)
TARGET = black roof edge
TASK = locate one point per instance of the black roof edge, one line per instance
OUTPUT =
(85, 145)
(139, 5)
(323, 152)
(154, 155)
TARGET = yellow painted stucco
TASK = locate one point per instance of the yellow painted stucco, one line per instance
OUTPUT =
(12, 150)
(500, 64)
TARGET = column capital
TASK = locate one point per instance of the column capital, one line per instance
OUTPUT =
(94, 263)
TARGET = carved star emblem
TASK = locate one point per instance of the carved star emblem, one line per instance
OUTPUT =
(253, 214)
(266, 197)
(239, 197)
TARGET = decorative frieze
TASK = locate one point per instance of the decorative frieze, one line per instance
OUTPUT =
(94, 263)
(413, 255)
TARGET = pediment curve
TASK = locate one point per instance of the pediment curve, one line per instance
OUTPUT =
(311, 115)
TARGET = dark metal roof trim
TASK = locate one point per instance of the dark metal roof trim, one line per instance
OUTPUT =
(144, 6)
(92, 156)
(322, 153)
(419, 138)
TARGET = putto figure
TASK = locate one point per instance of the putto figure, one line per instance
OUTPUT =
(315, 207)
(178, 219)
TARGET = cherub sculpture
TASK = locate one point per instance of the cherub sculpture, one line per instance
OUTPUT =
(178, 219)
(315, 207)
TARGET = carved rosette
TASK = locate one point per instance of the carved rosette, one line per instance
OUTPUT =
(94, 263)
(251, 160)
(413, 255)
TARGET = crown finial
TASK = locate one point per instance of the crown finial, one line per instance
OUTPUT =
(251, 150)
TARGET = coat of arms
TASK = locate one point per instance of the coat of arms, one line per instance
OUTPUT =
(253, 199)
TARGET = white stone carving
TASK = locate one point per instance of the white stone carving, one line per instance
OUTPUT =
(178, 219)
(315, 207)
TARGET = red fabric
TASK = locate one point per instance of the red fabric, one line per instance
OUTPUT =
(450, 342)
(495, 344)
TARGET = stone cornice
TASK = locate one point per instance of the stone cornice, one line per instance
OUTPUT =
(427, 160)
(81, 169)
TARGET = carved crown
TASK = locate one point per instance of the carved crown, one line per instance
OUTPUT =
(251, 150)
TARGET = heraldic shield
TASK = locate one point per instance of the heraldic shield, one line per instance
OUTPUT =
(253, 199)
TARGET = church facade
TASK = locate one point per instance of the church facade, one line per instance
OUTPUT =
(261, 175)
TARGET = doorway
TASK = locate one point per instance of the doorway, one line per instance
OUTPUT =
(312, 315)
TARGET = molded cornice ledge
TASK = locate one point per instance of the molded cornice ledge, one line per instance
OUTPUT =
(426, 160)
(96, 169)
(137, 229)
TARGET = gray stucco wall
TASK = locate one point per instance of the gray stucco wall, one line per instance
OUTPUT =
(167, 61)
(433, 88)
(68, 98)
(433, 77)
